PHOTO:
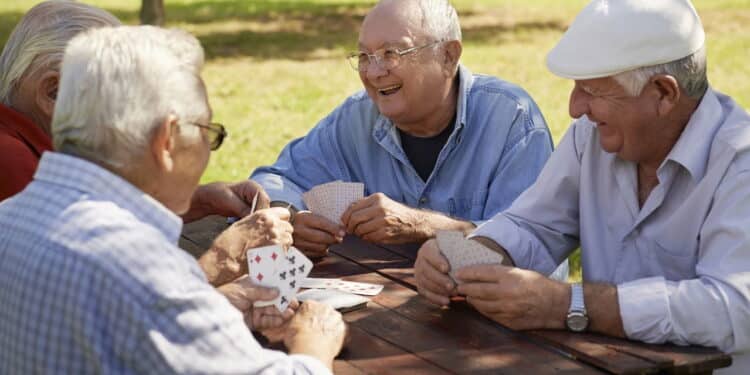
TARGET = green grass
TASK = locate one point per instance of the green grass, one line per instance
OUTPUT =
(276, 67)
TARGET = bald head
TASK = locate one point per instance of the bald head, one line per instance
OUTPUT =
(422, 19)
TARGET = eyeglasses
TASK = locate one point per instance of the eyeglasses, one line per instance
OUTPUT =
(216, 133)
(387, 59)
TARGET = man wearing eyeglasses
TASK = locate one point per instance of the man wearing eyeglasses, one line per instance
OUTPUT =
(91, 278)
(436, 146)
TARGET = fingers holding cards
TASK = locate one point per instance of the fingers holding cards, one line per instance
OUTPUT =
(271, 266)
(461, 252)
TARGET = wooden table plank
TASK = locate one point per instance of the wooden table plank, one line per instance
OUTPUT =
(464, 344)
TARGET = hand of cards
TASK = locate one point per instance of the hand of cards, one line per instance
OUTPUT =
(332, 199)
(273, 267)
(462, 252)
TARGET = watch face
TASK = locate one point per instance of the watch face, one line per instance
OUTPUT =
(577, 321)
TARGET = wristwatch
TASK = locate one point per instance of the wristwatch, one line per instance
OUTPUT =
(577, 319)
(292, 210)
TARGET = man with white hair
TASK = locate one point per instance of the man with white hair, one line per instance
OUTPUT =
(91, 279)
(436, 146)
(651, 181)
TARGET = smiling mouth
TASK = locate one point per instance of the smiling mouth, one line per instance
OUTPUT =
(390, 90)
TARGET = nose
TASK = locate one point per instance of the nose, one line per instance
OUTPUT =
(375, 69)
(579, 103)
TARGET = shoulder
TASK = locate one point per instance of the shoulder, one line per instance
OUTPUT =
(493, 88)
(132, 254)
(734, 134)
(14, 150)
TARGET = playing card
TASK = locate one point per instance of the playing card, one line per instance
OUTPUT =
(263, 265)
(462, 252)
(337, 299)
(289, 277)
(332, 199)
(366, 289)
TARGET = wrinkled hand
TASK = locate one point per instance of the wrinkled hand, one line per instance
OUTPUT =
(516, 298)
(313, 234)
(221, 198)
(226, 260)
(242, 293)
(379, 219)
(431, 272)
(316, 330)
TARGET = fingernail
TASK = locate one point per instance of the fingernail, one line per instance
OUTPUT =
(342, 233)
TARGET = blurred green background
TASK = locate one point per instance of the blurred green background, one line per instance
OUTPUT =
(274, 68)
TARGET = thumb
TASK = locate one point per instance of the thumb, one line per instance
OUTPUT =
(259, 293)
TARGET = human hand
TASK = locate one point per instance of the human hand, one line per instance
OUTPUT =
(226, 260)
(516, 298)
(226, 199)
(379, 219)
(431, 272)
(316, 330)
(313, 234)
(242, 294)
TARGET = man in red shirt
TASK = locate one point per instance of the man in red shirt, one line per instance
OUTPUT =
(29, 75)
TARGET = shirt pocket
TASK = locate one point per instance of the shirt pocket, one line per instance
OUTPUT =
(675, 255)
(470, 207)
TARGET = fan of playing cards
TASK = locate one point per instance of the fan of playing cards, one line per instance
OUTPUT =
(462, 252)
(271, 266)
(332, 199)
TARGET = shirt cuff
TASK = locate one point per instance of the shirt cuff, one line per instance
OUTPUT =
(311, 364)
(644, 309)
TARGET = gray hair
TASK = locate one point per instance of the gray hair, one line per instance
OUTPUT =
(440, 20)
(118, 84)
(690, 73)
(38, 41)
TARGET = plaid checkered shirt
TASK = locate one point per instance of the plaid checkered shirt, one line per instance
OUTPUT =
(91, 281)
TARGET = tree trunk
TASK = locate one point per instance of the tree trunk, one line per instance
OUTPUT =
(152, 12)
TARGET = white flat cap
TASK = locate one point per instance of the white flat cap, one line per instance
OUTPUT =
(613, 36)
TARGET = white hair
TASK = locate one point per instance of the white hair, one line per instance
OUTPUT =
(119, 84)
(690, 73)
(38, 41)
(440, 20)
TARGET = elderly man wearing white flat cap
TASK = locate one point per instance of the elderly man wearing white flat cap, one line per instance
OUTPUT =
(652, 181)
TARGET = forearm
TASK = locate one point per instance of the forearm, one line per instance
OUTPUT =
(430, 222)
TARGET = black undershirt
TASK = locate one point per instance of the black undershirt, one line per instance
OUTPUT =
(423, 152)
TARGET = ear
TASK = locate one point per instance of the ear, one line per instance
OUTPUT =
(667, 91)
(46, 92)
(163, 144)
(452, 55)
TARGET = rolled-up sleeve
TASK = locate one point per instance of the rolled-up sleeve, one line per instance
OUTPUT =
(540, 228)
(714, 308)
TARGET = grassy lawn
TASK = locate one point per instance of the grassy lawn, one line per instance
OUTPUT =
(276, 67)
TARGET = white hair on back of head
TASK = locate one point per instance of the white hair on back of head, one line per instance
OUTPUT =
(440, 20)
(119, 84)
(38, 41)
(690, 73)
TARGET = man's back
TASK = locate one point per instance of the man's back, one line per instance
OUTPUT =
(91, 282)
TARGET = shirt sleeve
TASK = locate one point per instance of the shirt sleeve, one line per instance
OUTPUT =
(656, 310)
(540, 229)
(17, 163)
(304, 163)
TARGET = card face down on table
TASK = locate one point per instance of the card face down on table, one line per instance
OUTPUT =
(341, 301)
(271, 266)
(462, 252)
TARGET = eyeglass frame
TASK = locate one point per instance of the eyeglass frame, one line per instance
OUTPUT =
(214, 128)
(353, 57)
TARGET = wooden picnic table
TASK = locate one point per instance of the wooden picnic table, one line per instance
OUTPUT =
(401, 333)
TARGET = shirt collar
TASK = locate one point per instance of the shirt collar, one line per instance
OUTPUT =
(82, 175)
(693, 147)
(22, 127)
(383, 125)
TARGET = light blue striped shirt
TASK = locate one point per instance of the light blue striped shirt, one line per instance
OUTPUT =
(91, 281)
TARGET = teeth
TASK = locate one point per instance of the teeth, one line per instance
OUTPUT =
(384, 89)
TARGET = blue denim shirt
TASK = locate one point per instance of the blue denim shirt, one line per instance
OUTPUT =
(499, 145)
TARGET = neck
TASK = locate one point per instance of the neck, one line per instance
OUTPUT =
(437, 120)
(37, 117)
(673, 126)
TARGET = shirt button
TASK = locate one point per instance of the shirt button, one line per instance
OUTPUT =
(422, 200)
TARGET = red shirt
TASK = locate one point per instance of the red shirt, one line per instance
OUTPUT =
(21, 145)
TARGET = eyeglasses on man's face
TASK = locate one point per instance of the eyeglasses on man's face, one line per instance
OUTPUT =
(388, 58)
(216, 133)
